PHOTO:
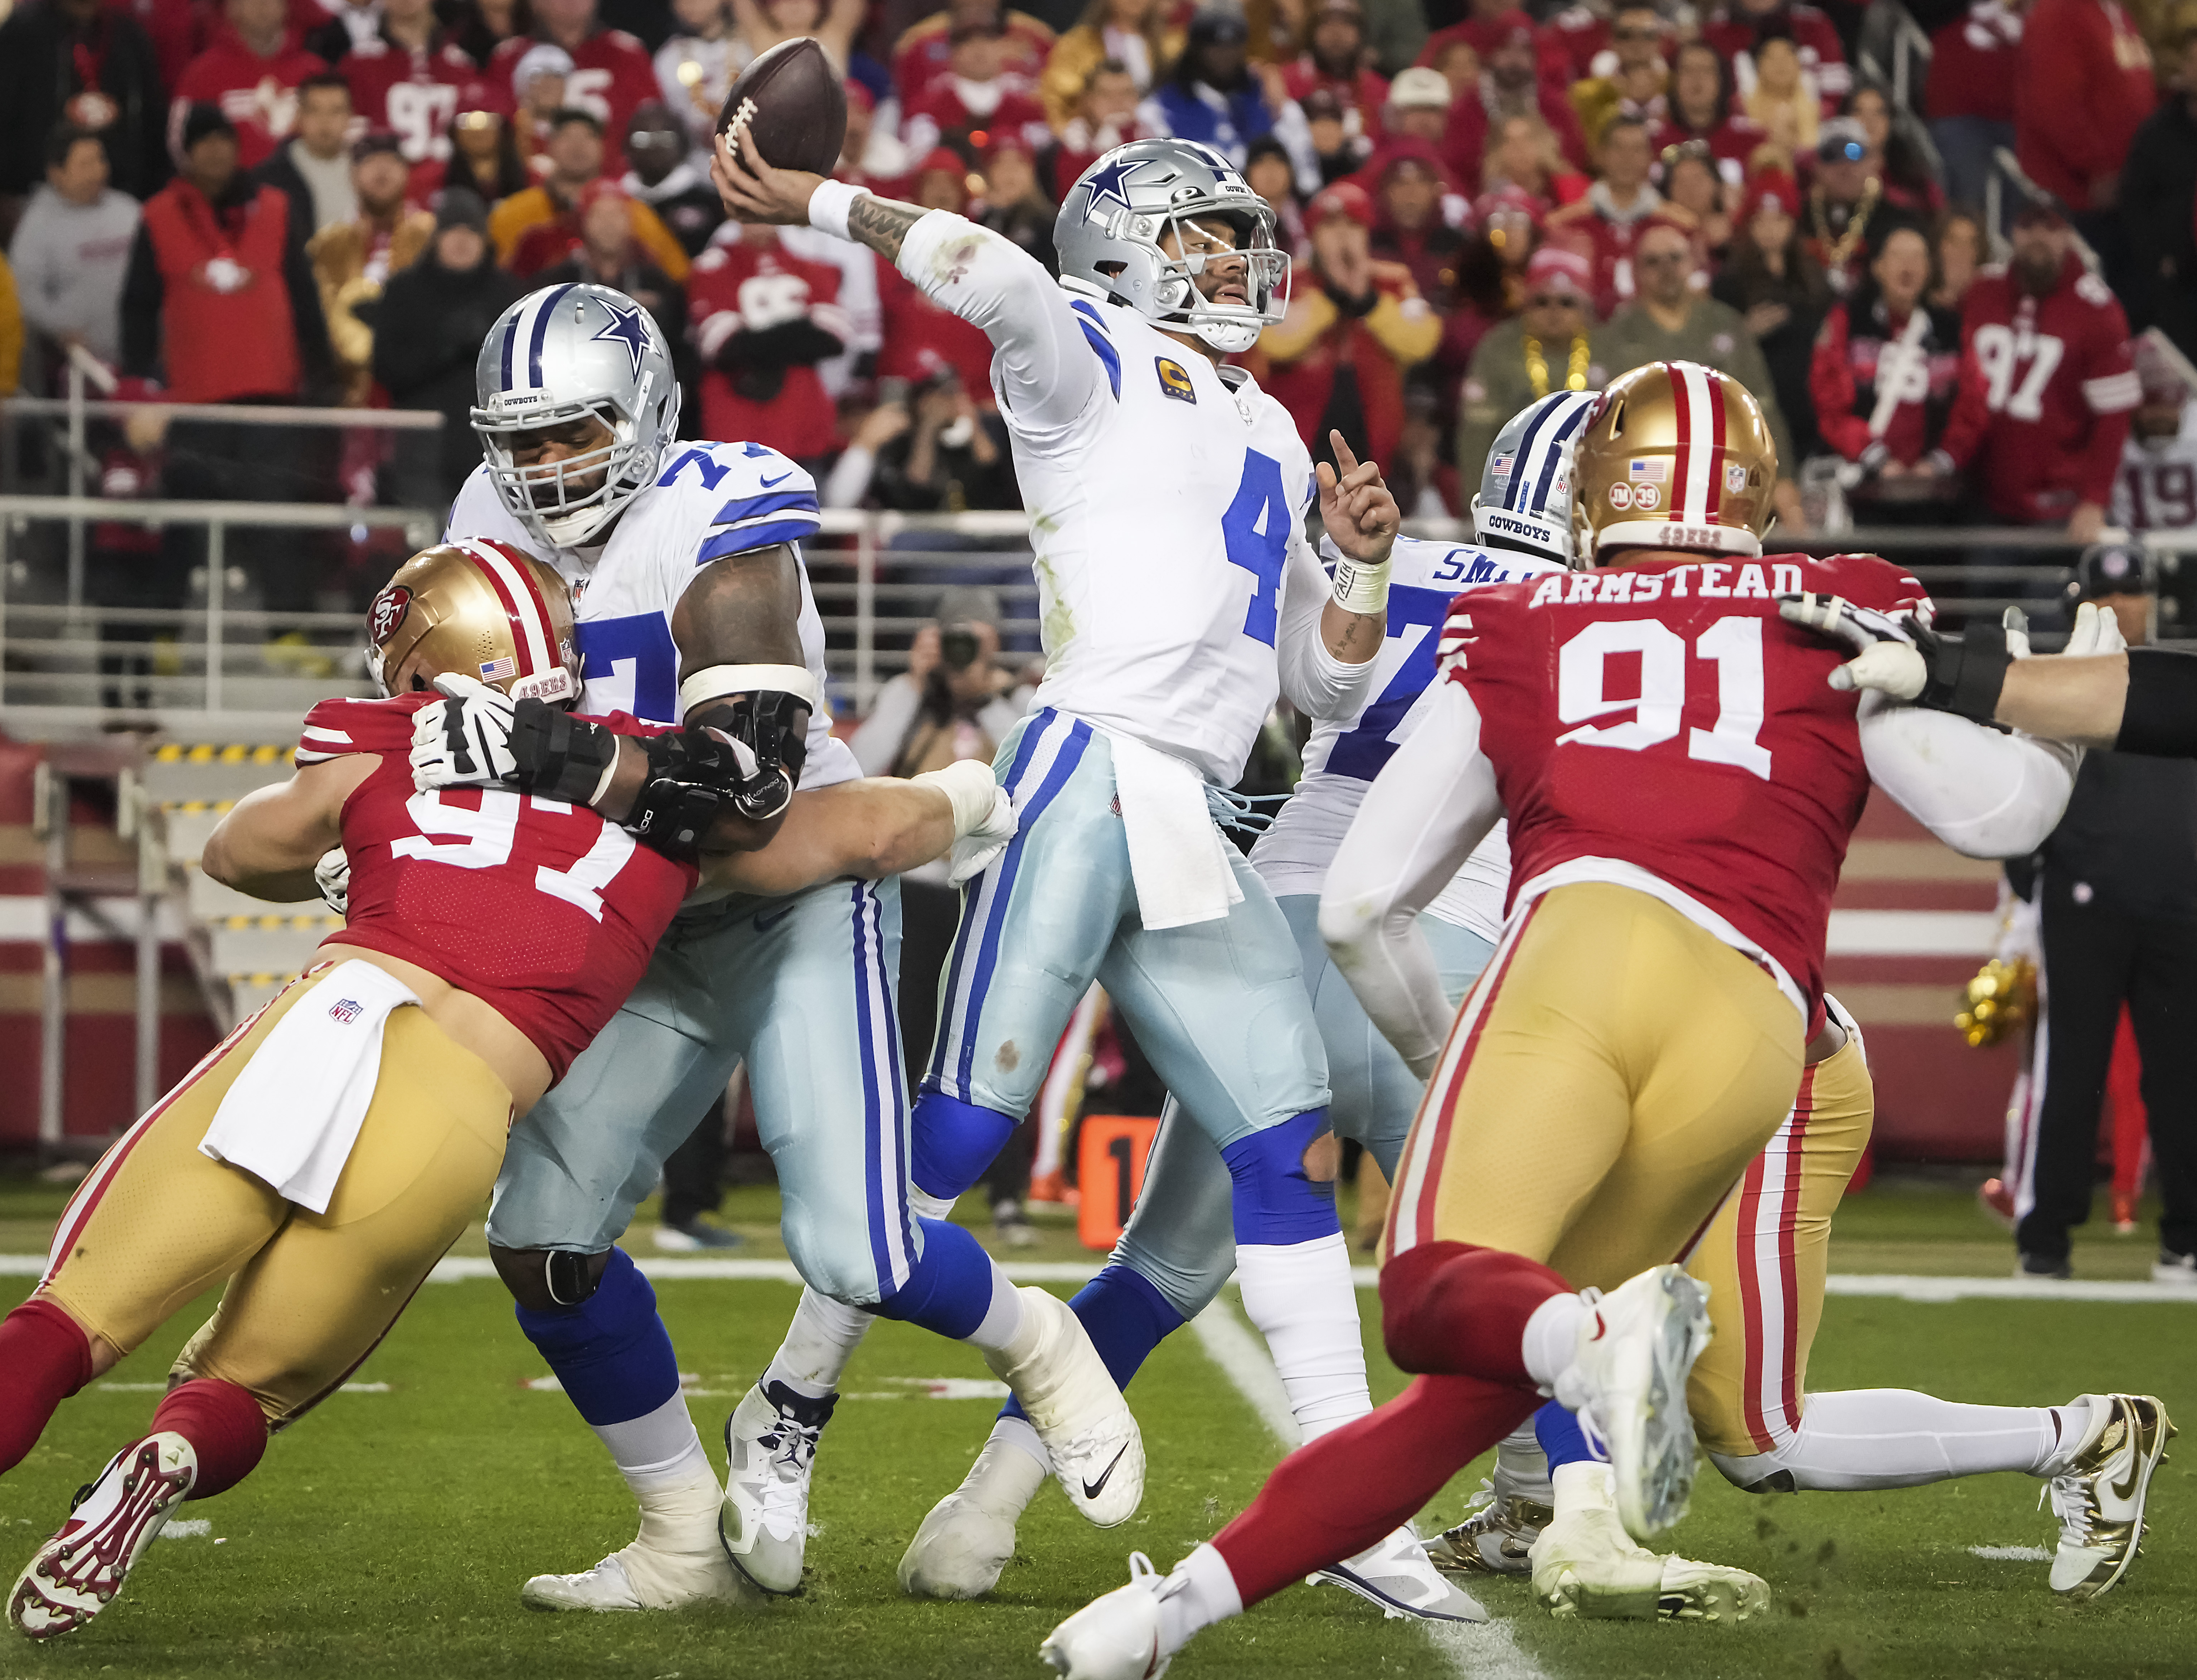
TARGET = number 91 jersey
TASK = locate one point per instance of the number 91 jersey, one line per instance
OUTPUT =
(1659, 727)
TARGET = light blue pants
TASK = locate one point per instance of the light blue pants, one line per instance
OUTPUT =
(1180, 1239)
(801, 989)
(1219, 1007)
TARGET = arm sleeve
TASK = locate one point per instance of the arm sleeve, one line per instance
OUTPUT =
(1984, 793)
(1431, 804)
(1054, 361)
(1317, 684)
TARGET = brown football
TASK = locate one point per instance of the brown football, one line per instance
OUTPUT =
(793, 104)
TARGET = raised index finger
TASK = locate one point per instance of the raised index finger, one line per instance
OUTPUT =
(1346, 463)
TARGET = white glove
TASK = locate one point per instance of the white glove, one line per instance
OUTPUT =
(1887, 659)
(983, 816)
(465, 740)
(2016, 622)
(332, 875)
(2097, 631)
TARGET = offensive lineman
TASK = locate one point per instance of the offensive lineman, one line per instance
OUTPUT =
(1680, 792)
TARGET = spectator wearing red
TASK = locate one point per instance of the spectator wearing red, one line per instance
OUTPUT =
(763, 320)
(1509, 87)
(1491, 24)
(1138, 35)
(1543, 347)
(1636, 75)
(1736, 30)
(406, 79)
(1699, 107)
(611, 72)
(1581, 34)
(252, 72)
(1336, 361)
(924, 50)
(2048, 382)
(1974, 68)
(2085, 86)
(1014, 205)
(2157, 489)
(1614, 212)
(920, 338)
(1521, 152)
(81, 62)
(1334, 61)
(540, 226)
(1884, 377)
(975, 100)
(1424, 225)
(1105, 117)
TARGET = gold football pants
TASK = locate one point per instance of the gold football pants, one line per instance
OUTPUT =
(1606, 1081)
(156, 1222)
(1764, 1258)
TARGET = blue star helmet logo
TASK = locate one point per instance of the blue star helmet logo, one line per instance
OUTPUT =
(626, 328)
(1110, 182)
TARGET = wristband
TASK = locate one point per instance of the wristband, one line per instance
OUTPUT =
(969, 786)
(1362, 586)
(828, 206)
(714, 683)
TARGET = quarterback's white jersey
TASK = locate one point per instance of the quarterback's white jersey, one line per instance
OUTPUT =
(1345, 753)
(709, 499)
(1166, 500)
(2156, 488)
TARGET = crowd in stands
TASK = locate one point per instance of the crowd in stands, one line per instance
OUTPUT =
(285, 202)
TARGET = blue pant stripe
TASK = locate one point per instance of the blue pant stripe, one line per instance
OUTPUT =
(988, 953)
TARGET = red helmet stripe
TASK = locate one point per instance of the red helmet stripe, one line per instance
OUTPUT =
(1682, 412)
(522, 602)
(1715, 393)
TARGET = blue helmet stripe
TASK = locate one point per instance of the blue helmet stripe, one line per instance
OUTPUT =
(1519, 474)
(541, 318)
(1575, 415)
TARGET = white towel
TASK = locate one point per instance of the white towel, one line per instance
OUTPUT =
(1180, 864)
(294, 1113)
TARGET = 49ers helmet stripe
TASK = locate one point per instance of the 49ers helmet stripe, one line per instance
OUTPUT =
(479, 609)
(1699, 467)
(529, 615)
(1674, 456)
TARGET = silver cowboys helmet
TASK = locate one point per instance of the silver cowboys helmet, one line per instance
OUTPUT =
(565, 354)
(1113, 220)
(1525, 496)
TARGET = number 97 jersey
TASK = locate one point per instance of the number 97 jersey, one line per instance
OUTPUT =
(1659, 727)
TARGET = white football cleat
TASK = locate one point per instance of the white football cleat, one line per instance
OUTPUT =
(2099, 1497)
(1398, 1576)
(641, 1578)
(1495, 1537)
(770, 1452)
(1098, 1454)
(76, 1574)
(1116, 1637)
(1585, 1565)
(1627, 1382)
(969, 1534)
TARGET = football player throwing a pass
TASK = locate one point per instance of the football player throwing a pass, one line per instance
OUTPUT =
(328, 1151)
(1680, 787)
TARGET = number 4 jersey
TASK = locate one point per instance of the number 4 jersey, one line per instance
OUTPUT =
(1659, 727)
(544, 912)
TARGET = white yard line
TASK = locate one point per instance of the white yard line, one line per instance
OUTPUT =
(1482, 1651)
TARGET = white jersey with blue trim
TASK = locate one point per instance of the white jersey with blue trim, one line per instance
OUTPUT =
(709, 499)
(1165, 498)
(1345, 753)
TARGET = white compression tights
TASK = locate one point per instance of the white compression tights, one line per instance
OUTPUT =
(1861, 1438)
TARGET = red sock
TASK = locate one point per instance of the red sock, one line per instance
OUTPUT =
(1358, 1484)
(1456, 1308)
(44, 1358)
(224, 1426)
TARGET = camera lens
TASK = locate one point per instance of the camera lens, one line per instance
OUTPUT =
(958, 648)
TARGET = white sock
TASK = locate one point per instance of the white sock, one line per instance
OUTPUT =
(1015, 1431)
(1521, 1469)
(1207, 1595)
(656, 1447)
(1582, 1486)
(1552, 1339)
(1003, 1319)
(818, 1344)
(1862, 1439)
(930, 1206)
(1301, 1297)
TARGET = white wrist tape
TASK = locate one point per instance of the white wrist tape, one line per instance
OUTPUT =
(828, 206)
(715, 682)
(969, 787)
(1362, 586)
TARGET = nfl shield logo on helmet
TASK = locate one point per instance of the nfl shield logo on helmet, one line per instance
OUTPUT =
(1735, 478)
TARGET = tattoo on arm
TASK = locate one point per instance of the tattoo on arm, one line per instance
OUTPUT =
(742, 610)
(882, 224)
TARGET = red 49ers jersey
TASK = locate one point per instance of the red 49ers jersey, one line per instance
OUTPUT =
(412, 94)
(1660, 721)
(542, 910)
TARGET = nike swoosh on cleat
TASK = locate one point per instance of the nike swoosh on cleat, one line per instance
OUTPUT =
(1092, 1489)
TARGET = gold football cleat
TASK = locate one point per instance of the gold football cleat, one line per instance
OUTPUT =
(2099, 1497)
(1495, 1539)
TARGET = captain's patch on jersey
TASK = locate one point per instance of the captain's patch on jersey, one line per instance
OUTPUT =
(1175, 379)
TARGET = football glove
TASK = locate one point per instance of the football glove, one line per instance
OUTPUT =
(2096, 632)
(1900, 654)
(332, 875)
(983, 816)
(464, 739)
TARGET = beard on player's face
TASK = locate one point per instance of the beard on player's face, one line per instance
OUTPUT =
(1225, 276)
(543, 447)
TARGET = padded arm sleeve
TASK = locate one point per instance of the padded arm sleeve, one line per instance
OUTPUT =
(2160, 716)
(1431, 804)
(1317, 684)
(1984, 793)
(1049, 373)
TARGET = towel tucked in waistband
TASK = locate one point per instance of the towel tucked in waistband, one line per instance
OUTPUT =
(1184, 870)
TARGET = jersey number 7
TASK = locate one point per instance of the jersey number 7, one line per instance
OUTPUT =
(1733, 646)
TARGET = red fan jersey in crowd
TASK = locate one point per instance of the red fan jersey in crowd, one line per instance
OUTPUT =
(2047, 387)
(779, 314)
(1975, 65)
(1552, 52)
(2085, 87)
(1581, 36)
(1609, 240)
(2157, 488)
(1733, 142)
(1465, 135)
(1885, 389)
(1662, 721)
(1366, 93)
(543, 911)
(924, 51)
(258, 94)
(1732, 30)
(412, 94)
(937, 116)
(612, 74)
(920, 338)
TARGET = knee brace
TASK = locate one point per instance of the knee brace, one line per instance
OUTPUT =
(1273, 1201)
(611, 1351)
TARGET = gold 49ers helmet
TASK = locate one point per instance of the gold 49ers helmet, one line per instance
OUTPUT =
(476, 609)
(1674, 456)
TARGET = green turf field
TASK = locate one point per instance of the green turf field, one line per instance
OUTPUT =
(388, 1533)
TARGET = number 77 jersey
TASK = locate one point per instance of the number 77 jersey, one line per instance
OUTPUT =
(1659, 727)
